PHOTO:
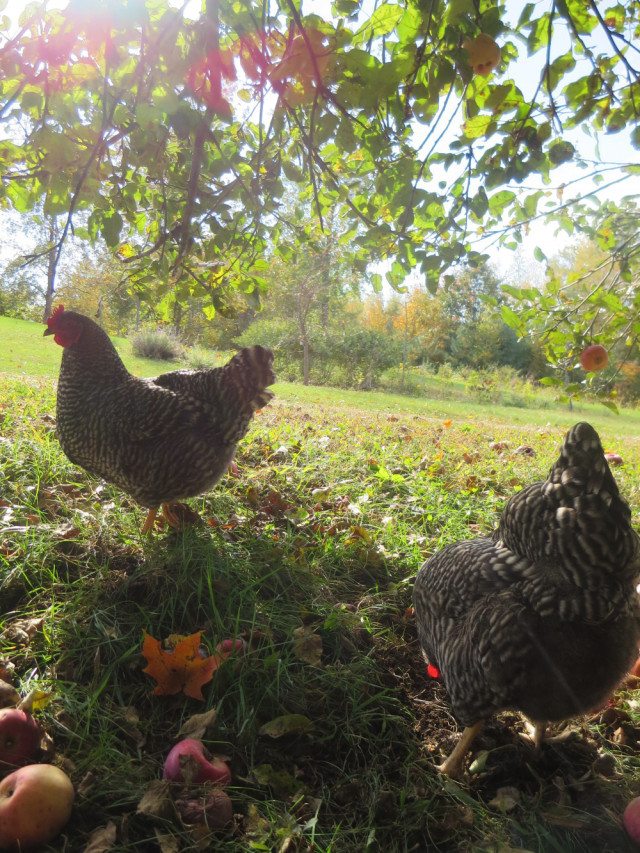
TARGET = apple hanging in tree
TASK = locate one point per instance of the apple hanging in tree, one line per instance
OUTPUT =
(483, 54)
(594, 358)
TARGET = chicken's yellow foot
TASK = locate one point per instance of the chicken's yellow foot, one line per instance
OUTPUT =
(147, 527)
(453, 765)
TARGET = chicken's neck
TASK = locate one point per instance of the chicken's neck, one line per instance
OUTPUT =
(97, 359)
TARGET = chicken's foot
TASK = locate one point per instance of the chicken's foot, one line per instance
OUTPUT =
(150, 520)
(535, 732)
(453, 766)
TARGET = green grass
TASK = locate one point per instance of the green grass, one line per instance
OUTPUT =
(25, 352)
(340, 498)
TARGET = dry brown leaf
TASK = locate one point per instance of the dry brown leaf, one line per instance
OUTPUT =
(86, 784)
(8, 695)
(307, 645)
(198, 724)
(167, 843)
(156, 800)
(102, 839)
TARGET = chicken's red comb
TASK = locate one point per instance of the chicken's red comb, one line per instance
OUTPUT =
(57, 311)
(433, 671)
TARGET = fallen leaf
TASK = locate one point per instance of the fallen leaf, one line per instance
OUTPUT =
(198, 724)
(166, 842)
(66, 531)
(282, 783)
(102, 839)
(181, 667)
(307, 645)
(36, 700)
(256, 826)
(287, 724)
(8, 695)
(564, 817)
(87, 782)
(156, 800)
(506, 799)
(447, 423)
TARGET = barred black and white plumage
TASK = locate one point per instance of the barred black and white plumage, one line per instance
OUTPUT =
(160, 440)
(543, 616)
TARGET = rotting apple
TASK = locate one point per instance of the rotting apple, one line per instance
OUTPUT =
(594, 358)
(190, 763)
(35, 804)
(232, 646)
(483, 53)
(20, 737)
(631, 820)
(214, 809)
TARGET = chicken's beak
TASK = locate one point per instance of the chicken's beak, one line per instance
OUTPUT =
(48, 331)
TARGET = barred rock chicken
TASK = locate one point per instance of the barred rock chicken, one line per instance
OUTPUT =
(160, 439)
(543, 616)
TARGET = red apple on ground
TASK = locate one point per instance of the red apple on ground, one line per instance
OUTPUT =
(35, 804)
(631, 820)
(613, 458)
(594, 358)
(19, 738)
(189, 763)
(232, 646)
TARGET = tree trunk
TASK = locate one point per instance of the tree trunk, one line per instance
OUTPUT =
(51, 269)
(306, 359)
(177, 317)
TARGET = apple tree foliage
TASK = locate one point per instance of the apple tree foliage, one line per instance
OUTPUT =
(178, 134)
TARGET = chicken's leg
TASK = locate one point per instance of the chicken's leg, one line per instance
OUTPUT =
(536, 731)
(150, 520)
(452, 766)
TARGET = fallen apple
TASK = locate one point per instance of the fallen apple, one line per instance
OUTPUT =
(631, 820)
(19, 738)
(214, 809)
(190, 763)
(594, 358)
(483, 53)
(35, 804)
(232, 646)
(613, 458)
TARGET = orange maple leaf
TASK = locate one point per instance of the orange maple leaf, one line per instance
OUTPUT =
(180, 667)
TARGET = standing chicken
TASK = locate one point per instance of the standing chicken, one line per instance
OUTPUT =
(160, 439)
(543, 616)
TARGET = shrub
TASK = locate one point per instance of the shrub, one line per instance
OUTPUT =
(200, 358)
(156, 343)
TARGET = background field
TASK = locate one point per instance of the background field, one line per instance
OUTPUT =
(339, 498)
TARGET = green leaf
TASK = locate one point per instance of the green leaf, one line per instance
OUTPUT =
(111, 227)
(478, 126)
(287, 724)
(381, 23)
(561, 151)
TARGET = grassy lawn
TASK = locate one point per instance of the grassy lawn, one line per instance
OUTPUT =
(340, 497)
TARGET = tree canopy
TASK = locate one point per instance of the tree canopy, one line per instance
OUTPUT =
(179, 137)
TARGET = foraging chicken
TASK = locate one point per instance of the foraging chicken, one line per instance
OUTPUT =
(160, 440)
(543, 616)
